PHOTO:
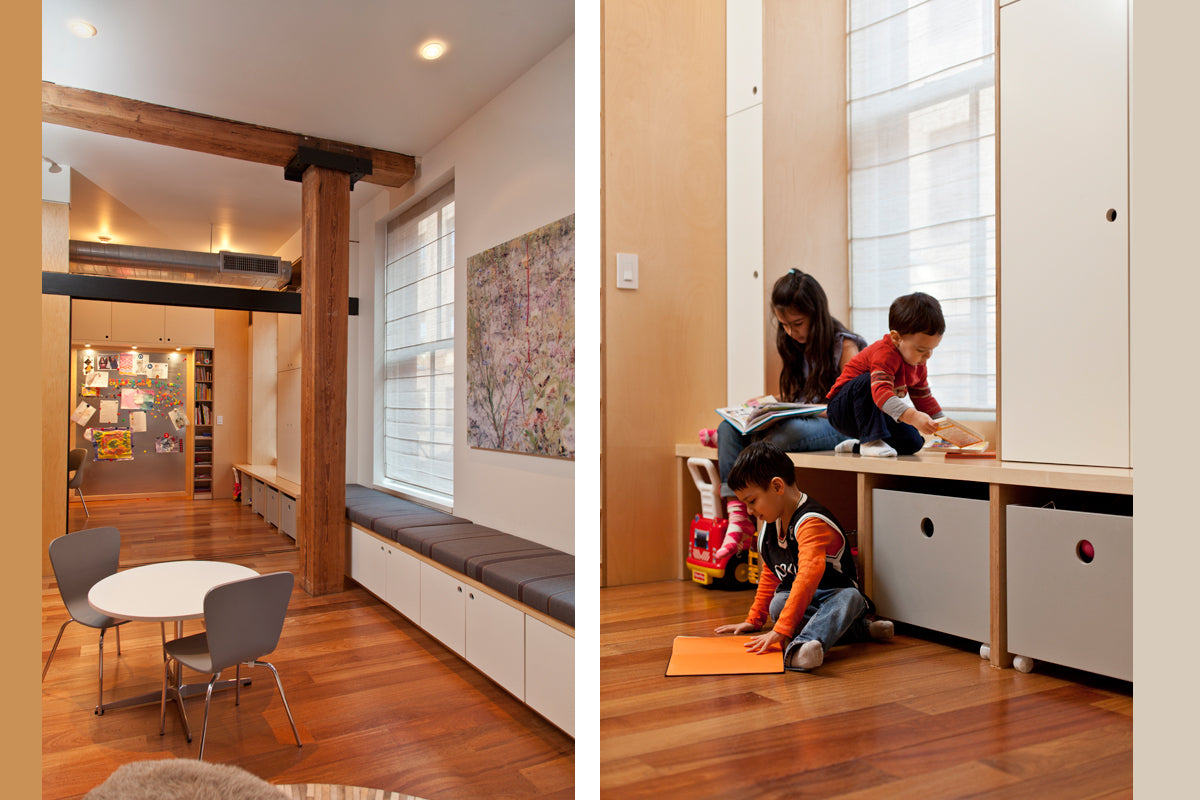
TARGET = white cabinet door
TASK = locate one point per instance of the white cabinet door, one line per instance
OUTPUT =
(495, 640)
(744, 290)
(287, 425)
(550, 673)
(134, 323)
(743, 54)
(91, 322)
(404, 583)
(368, 562)
(189, 327)
(443, 608)
(1064, 242)
(289, 341)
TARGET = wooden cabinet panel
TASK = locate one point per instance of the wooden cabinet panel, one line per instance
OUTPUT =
(138, 324)
(91, 321)
(189, 327)
(289, 341)
(287, 426)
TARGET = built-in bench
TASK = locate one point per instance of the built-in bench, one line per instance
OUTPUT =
(505, 604)
(982, 549)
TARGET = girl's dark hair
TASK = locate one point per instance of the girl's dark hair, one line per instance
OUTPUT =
(800, 292)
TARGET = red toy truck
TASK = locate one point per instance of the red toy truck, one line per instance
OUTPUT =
(708, 531)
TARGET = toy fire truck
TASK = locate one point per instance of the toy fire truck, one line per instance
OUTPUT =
(707, 532)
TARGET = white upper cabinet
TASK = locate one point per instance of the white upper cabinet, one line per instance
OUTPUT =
(1064, 235)
(743, 54)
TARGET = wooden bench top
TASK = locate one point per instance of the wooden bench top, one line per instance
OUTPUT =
(1109, 480)
(268, 475)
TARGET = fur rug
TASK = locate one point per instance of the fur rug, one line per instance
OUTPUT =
(183, 779)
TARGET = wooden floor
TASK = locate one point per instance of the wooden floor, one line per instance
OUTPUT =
(911, 717)
(378, 702)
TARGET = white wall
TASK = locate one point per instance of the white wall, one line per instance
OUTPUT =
(513, 165)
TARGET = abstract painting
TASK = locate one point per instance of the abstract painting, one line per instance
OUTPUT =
(521, 344)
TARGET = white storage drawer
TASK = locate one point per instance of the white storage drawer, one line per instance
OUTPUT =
(260, 497)
(287, 515)
(1061, 608)
(272, 506)
(550, 673)
(930, 561)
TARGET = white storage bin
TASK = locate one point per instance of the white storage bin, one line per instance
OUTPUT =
(287, 515)
(260, 498)
(272, 514)
(1062, 608)
(929, 555)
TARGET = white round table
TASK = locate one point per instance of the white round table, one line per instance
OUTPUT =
(171, 591)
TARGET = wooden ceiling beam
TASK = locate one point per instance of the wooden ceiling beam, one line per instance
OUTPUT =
(187, 130)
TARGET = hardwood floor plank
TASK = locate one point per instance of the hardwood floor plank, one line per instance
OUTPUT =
(906, 718)
(378, 702)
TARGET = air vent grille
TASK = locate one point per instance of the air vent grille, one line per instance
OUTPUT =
(249, 264)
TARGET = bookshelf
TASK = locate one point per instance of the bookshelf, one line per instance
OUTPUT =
(202, 421)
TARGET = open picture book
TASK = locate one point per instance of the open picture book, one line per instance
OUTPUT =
(762, 411)
(956, 435)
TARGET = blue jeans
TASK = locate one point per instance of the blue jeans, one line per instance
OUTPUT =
(833, 616)
(853, 412)
(792, 435)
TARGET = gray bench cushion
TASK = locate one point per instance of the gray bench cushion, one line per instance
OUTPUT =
(540, 577)
(511, 577)
(465, 554)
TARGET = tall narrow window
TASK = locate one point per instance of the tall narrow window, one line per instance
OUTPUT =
(922, 179)
(418, 365)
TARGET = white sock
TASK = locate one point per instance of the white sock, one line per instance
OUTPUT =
(876, 449)
(846, 446)
(881, 629)
(809, 655)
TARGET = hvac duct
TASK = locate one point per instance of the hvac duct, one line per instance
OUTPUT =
(156, 263)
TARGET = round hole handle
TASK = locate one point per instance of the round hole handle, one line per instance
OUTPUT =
(927, 527)
(1111, 215)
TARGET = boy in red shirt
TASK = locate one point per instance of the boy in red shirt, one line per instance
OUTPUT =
(866, 402)
(809, 582)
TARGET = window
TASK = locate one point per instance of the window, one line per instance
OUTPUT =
(922, 179)
(418, 361)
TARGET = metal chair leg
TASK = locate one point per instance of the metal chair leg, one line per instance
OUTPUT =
(85, 508)
(282, 697)
(162, 713)
(237, 684)
(207, 703)
(100, 697)
(54, 649)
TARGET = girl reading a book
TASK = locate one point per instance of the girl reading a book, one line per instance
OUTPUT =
(814, 347)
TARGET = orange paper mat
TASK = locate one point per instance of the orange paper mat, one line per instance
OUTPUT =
(720, 655)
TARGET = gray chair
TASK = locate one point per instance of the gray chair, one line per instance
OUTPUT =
(80, 560)
(75, 461)
(243, 620)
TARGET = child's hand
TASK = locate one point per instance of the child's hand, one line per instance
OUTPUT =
(741, 627)
(763, 643)
(919, 420)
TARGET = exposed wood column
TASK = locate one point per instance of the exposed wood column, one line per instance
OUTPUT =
(325, 249)
(56, 378)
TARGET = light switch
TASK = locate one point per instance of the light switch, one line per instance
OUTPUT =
(220, 420)
(627, 271)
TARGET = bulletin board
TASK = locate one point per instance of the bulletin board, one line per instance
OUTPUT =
(130, 415)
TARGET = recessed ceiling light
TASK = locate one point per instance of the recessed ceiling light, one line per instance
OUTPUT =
(432, 50)
(105, 239)
(84, 30)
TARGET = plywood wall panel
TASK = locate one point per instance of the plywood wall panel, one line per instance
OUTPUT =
(230, 399)
(663, 356)
(804, 153)
(56, 394)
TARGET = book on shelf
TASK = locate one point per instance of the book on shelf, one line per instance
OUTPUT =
(765, 410)
(955, 434)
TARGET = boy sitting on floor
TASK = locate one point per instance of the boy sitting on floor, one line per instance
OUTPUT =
(809, 582)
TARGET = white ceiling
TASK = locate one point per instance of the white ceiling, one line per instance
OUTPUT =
(345, 70)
